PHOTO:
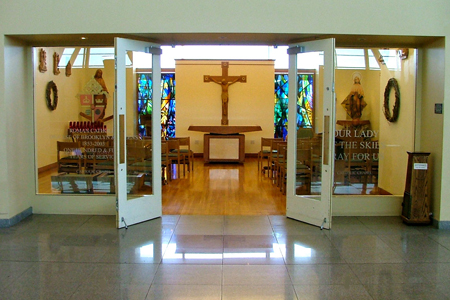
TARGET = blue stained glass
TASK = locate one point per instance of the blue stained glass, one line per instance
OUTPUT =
(305, 104)
(145, 102)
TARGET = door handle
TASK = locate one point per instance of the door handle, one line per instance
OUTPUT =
(122, 139)
(326, 139)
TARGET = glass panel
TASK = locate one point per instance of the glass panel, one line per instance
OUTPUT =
(350, 59)
(65, 57)
(370, 152)
(139, 159)
(74, 139)
(309, 126)
(79, 61)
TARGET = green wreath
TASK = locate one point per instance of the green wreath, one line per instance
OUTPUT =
(392, 83)
(51, 87)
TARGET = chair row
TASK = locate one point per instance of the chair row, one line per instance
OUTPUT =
(97, 155)
(273, 159)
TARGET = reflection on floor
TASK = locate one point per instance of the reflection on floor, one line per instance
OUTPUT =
(222, 257)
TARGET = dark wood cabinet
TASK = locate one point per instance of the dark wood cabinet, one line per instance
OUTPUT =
(416, 201)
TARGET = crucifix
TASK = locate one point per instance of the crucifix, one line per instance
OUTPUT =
(225, 81)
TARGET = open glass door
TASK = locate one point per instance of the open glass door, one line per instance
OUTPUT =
(137, 156)
(310, 154)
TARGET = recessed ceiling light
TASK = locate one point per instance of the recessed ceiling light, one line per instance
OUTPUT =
(84, 38)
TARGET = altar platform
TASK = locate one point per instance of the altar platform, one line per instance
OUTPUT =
(224, 143)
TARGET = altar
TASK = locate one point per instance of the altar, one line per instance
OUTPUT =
(224, 143)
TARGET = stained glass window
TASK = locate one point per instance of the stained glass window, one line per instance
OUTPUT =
(167, 105)
(281, 105)
(145, 103)
(305, 103)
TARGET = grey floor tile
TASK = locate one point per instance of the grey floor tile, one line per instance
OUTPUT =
(180, 292)
(434, 272)
(376, 274)
(188, 274)
(417, 248)
(137, 274)
(322, 274)
(255, 275)
(222, 257)
(417, 291)
(11, 270)
(111, 292)
(332, 292)
(260, 292)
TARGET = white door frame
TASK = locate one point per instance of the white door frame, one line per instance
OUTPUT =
(136, 209)
(315, 210)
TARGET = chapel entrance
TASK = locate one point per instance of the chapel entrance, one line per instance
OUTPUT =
(362, 130)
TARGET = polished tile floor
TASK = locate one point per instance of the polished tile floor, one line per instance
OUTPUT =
(222, 257)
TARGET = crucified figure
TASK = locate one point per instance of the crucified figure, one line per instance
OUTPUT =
(224, 84)
(225, 81)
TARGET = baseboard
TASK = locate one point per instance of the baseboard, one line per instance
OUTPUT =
(441, 224)
(16, 219)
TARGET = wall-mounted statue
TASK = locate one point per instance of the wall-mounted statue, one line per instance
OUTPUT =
(42, 61)
(56, 63)
(354, 103)
(68, 69)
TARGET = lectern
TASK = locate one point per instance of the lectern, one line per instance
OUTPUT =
(416, 202)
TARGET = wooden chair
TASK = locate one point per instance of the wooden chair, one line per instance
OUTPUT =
(166, 172)
(281, 166)
(103, 159)
(279, 158)
(139, 160)
(303, 171)
(273, 155)
(186, 152)
(265, 153)
(175, 155)
(357, 156)
(70, 157)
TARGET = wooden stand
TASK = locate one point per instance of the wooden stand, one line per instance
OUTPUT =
(416, 202)
(224, 148)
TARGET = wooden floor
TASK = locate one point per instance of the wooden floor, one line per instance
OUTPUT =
(223, 189)
(213, 189)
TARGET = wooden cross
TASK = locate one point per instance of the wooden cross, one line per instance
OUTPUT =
(225, 81)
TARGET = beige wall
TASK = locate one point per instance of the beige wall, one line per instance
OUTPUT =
(431, 124)
(17, 147)
(397, 138)
(17, 119)
(250, 103)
